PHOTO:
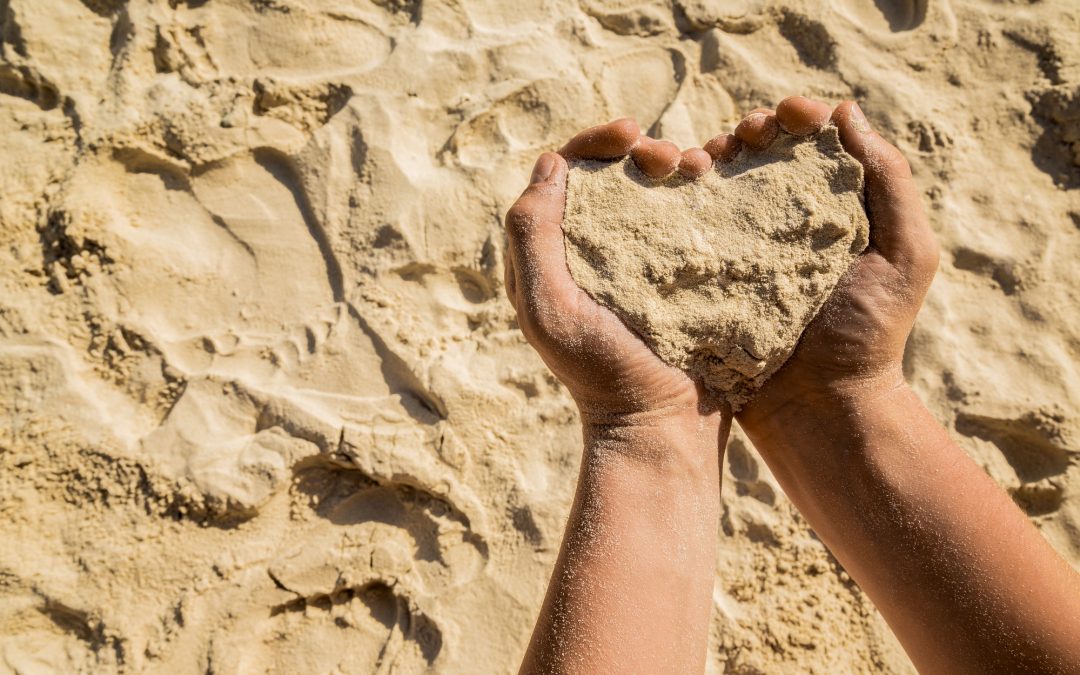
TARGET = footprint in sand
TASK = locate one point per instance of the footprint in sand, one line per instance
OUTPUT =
(1037, 449)
(896, 17)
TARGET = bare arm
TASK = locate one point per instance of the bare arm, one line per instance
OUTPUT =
(965, 581)
(963, 578)
(631, 590)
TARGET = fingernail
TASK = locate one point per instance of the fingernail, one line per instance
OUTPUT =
(544, 166)
(858, 119)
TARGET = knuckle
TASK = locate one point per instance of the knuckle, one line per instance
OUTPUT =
(546, 321)
(519, 216)
(921, 258)
(894, 160)
(540, 329)
(550, 321)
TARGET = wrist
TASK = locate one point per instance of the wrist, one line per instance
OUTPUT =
(678, 445)
(793, 409)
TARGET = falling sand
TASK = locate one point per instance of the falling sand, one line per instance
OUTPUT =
(720, 276)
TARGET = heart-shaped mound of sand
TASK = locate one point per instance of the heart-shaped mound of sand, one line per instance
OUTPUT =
(721, 275)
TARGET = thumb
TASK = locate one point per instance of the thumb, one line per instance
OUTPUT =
(899, 229)
(546, 293)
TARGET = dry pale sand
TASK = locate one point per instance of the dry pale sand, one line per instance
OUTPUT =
(720, 275)
(264, 404)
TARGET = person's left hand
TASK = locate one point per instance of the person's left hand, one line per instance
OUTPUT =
(612, 375)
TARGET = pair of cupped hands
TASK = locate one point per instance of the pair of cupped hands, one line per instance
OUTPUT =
(856, 342)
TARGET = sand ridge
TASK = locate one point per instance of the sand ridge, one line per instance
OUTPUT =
(720, 275)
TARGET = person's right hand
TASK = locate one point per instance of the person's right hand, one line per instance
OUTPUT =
(613, 376)
(856, 343)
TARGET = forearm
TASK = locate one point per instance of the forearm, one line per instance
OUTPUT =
(632, 588)
(965, 581)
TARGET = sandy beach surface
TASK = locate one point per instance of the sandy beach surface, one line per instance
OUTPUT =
(264, 404)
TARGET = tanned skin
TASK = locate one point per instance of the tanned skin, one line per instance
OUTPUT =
(631, 590)
(965, 581)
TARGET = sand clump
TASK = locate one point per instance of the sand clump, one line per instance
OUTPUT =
(720, 276)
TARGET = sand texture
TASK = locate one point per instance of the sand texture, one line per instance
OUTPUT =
(720, 276)
(264, 405)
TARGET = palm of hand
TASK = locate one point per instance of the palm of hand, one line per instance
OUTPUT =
(609, 371)
(860, 332)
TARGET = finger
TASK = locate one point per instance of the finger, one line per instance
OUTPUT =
(899, 229)
(801, 116)
(607, 141)
(656, 159)
(545, 290)
(723, 148)
(695, 163)
(758, 129)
